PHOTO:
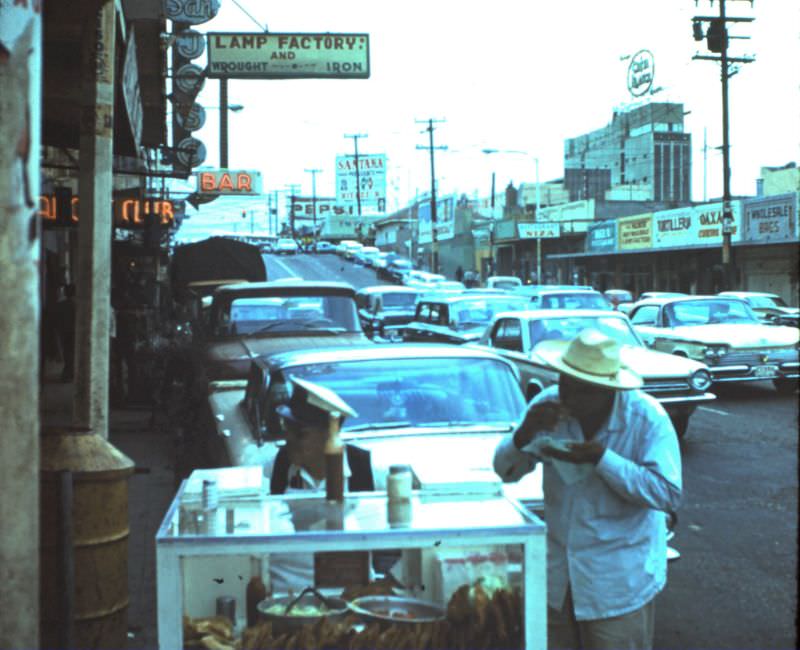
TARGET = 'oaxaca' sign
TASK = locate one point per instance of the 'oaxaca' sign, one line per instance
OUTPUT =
(288, 56)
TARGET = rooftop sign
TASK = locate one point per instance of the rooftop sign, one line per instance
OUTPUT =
(288, 56)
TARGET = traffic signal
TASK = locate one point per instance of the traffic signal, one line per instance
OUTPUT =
(697, 30)
(717, 35)
(244, 214)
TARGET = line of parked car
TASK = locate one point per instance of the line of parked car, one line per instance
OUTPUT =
(426, 362)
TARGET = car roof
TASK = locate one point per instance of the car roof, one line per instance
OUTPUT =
(433, 296)
(541, 314)
(662, 300)
(374, 351)
(744, 294)
(387, 288)
(284, 287)
(530, 289)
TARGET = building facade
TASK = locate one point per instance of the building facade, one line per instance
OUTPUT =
(643, 149)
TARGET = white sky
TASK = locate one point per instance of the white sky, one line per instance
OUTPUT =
(519, 75)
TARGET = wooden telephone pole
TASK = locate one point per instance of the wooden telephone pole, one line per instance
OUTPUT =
(431, 149)
(717, 40)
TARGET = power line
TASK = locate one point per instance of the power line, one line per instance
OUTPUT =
(246, 13)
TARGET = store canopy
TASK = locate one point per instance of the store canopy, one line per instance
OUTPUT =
(217, 258)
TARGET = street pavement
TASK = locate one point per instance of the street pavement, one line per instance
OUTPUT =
(734, 586)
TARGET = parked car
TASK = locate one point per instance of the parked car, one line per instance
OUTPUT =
(385, 305)
(324, 247)
(770, 307)
(618, 297)
(382, 259)
(506, 282)
(458, 319)
(724, 333)
(395, 270)
(567, 297)
(255, 318)
(415, 405)
(680, 384)
(424, 280)
(351, 249)
(365, 254)
(285, 246)
(627, 307)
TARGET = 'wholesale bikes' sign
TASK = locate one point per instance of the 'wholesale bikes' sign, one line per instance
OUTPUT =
(771, 218)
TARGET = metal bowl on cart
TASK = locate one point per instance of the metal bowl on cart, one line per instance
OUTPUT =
(396, 609)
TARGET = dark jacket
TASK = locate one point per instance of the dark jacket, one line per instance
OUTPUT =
(360, 471)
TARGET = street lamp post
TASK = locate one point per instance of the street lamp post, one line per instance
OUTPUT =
(224, 107)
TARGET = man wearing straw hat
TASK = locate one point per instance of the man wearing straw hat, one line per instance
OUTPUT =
(611, 468)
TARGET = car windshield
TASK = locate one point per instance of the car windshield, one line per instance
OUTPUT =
(708, 312)
(399, 301)
(505, 284)
(573, 300)
(416, 392)
(569, 327)
(765, 302)
(281, 315)
(480, 311)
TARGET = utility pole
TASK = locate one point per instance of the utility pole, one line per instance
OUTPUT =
(431, 149)
(717, 40)
(293, 188)
(314, 173)
(355, 137)
(223, 123)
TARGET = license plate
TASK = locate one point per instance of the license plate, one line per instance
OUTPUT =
(766, 371)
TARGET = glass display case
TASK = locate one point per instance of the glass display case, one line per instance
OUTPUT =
(207, 542)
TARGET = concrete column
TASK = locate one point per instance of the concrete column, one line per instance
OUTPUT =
(93, 296)
(20, 127)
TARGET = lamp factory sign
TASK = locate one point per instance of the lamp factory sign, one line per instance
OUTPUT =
(640, 73)
(288, 56)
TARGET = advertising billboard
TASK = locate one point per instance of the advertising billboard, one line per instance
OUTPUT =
(288, 56)
(771, 218)
(635, 233)
(370, 178)
(697, 226)
(445, 220)
(601, 237)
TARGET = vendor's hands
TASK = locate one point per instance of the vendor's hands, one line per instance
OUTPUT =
(577, 452)
(541, 417)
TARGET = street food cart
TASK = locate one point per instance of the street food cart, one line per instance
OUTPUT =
(205, 548)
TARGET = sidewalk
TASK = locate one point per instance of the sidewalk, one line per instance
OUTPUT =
(150, 490)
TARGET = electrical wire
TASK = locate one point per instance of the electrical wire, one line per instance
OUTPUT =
(246, 13)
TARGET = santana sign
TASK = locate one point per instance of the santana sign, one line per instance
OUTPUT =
(371, 180)
(288, 56)
(640, 73)
(227, 182)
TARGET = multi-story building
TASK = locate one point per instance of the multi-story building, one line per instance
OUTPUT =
(643, 150)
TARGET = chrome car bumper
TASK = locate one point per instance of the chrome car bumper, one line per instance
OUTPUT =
(679, 400)
(765, 372)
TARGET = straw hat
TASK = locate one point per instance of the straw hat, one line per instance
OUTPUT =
(592, 357)
(312, 404)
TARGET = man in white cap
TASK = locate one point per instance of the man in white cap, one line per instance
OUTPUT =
(612, 468)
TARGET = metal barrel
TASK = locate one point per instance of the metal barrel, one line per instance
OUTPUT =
(84, 548)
